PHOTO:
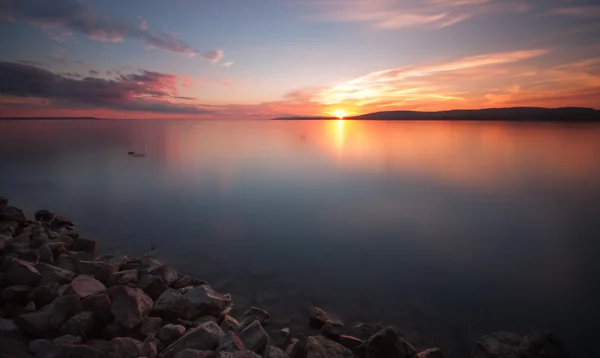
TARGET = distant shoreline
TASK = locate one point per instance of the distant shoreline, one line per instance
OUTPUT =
(47, 118)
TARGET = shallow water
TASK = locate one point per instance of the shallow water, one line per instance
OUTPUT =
(446, 229)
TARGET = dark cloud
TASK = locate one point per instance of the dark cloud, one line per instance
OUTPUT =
(74, 16)
(94, 73)
(146, 92)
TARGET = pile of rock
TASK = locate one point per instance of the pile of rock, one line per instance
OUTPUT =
(58, 299)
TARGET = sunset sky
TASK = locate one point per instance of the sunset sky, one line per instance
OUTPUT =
(267, 58)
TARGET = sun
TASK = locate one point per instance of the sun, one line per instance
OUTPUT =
(340, 113)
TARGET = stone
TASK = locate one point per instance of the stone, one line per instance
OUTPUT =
(150, 326)
(77, 256)
(65, 240)
(67, 339)
(38, 346)
(46, 254)
(149, 349)
(185, 280)
(204, 337)
(13, 348)
(259, 314)
(43, 295)
(352, 343)
(230, 342)
(122, 347)
(57, 247)
(16, 294)
(85, 245)
(85, 324)
(10, 213)
(36, 324)
(331, 332)
(123, 277)
(321, 347)
(274, 352)
(204, 319)
(318, 318)
(538, 345)
(99, 304)
(21, 272)
(79, 351)
(66, 262)
(388, 343)
(44, 215)
(497, 345)
(366, 330)
(100, 270)
(229, 323)
(242, 354)
(85, 286)
(117, 260)
(2, 242)
(153, 286)
(39, 239)
(254, 337)
(30, 255)
(172, 305)
(295, 349)
(51, 274)
(130, 306)
(431, 353)
(157, 268)
(193, 353)
(185, 289)
(208, 301)
(170, 333)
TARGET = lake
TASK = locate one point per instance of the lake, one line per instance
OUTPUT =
(447, 230)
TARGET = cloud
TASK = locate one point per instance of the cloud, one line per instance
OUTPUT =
(94, 73)
(73, 16)
(141, 92)
(213, 56)
(581, 11)
(227, 64)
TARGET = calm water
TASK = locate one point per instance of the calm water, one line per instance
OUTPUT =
(446, 229)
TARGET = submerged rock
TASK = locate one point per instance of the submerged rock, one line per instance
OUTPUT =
(230, 342)
(388, 343)
(331, 332)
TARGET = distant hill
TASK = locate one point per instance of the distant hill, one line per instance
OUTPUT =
(517, 114)
(44, 118)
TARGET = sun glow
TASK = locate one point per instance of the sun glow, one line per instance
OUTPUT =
(340, 113)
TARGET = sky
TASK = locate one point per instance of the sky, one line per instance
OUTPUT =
(268, 58)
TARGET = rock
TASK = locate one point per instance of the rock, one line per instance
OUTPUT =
(85, 286)
(254, 337)
(99, 304)
(185, 289)
(318, 318)
(274, 352)
(13, 348)
(67, 339)
(259, 314)
(497, 345)
(366, 330)
(130, 306)
(204, 337)
(51, 274)
(149, 349)
(65, 240)
(150, 326)
(38, 346)
(321, 347)
(117, 260)
(44, 215)
(185, 280)
(21, 272)
(43, 295)
(123, 277)
(85, 324)
(242, 354)
(193, 353)
(122, 347)
(36, 324)
(208, 301)
(388, 343)
(100, 270)
(2, 242)
(537, 345)
(46, 254)
(295, 349)
(30, 255)
(57, 247)
(40, 239)
(229, 323)
(170, 333)
(65, 262)
(157, 268)
(10, 213)
(172, 305)
(79, 351)
(331, 332)
(85, 245)
(153, 286)
(80, 256)
(352, 343)
(431, 353)
(16, 293)
(230, 342)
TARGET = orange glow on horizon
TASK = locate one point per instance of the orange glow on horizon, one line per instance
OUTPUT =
(340, 113)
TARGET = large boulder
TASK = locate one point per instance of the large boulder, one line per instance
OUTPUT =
(10, 213)
(100, 270)
(331, 332)
(318, 318)
(431, 353)
(16, 294)
(149, 349)
(46, 254)
(52, 274)
(45, 322)
(43, 295)
(99, 304)
(122, 347)
(21, 272)
(497, 345)
(150, 326)
(254, 337)
(295, 349)
(321, 347)
(208, 301)
(538, 345)
(85, 245)
(123, 277)
(153, 286)
(172, 305)
(157, 268)
(274, 352)
(230, 342)
(85, 286)
(85, 324)
(130, 306)
(170, 333)
(388, 343)
(204, 338)
(259, 314)
(185, 280)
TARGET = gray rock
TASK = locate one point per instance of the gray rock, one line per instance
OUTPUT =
(208, 301)
(157, 268)
(51, 274)
(170, 333)
(46, 254)
(229, 323)
(122, 347)
(318, 318)
(85, 245)
(100, 270)
(43, 295)
(150, 326)
(193, 353)
(230, 342)
(352, 343)
(321, 347)
(16, 293)
(153, 286)
(295, 349)
(85, 324)
(85, 286)
(185, 280)
(243, 354)
(254, 337)
(172, 305)
(274, 352)
(204, 337)
(388, 343)
(497, 345)
(99, 304)
(123, 277)
(79, 351)
(538, 345)
(21, 272)
(259, 314)
(331, 332)
(431, 353)
(130, 306)
(67, 339)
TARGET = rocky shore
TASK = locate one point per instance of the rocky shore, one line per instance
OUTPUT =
(59, 299)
